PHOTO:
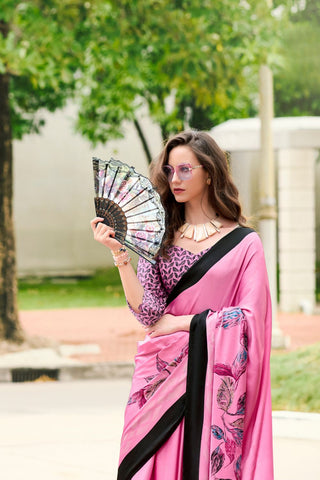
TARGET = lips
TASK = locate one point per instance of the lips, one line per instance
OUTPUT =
(178, 190)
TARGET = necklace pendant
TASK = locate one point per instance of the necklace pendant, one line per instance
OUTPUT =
(202, 235)
(217, 225)
(183, 229)
(210, 229)
(187, 231)
(206, 235)
(200, 232)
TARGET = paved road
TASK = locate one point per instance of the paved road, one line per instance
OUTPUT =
(65, 431)
(71, 431)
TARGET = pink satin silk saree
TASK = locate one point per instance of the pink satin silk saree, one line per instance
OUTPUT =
(200, 403)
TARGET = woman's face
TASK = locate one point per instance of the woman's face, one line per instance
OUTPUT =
(196, 186)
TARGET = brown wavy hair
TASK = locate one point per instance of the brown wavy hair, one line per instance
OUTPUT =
(223, 194)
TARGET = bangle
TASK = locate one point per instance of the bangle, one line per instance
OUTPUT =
(117, 253)
(121, 257)
(125, 261)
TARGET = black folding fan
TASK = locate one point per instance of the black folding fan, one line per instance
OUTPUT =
(130, 205)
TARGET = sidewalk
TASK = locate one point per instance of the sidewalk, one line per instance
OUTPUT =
(116, 331)
(101, 342)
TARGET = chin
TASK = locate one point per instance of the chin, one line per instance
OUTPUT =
(179, 198)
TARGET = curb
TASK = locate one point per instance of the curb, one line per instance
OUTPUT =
(286, 424)
(66, 373)
(296, 425)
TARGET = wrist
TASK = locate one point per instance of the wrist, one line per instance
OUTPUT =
(121, 257)
(120, 251)
(187, 321)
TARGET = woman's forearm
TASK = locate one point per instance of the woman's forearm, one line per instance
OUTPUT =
(169, 323)
(132, 287)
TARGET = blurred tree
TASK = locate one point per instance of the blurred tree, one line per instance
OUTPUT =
(187, 62)
(191, 63)
(297, 81)
(37, 65)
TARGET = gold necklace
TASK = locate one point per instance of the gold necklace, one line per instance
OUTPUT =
(201, 231)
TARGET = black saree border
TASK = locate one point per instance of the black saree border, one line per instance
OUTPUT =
(195, 393)
(154, 439)
(208, 260)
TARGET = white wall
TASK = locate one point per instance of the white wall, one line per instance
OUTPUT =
(296, 145)
(53, 193)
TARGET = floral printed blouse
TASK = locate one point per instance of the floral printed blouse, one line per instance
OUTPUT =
(159, 279)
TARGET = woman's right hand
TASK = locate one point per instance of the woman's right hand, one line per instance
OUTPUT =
(104, 234)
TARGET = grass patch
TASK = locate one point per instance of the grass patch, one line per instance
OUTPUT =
(295, 379)
(101, 290)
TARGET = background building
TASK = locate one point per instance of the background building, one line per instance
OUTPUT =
(53, 195)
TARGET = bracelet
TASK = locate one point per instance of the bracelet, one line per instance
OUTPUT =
(125, 262)
(117, 253)
(121, 257)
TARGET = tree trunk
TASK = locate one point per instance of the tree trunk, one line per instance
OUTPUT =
(165, 133)
(143, 141)
(10, 328)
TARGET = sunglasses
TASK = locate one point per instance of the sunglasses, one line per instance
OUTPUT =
(183, 171)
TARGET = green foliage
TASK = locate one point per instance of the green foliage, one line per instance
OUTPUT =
(297, 86)
(101, 290)
(187, 61)
(307, 11)
(294, 379)
(39, 51)
(191, 61)
(297, 83)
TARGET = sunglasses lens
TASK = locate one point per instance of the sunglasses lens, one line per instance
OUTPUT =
(184, 171)
(168, 171)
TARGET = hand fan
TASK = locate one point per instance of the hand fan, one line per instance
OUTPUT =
(129, 204)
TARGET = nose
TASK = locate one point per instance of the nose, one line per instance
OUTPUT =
(175, 177)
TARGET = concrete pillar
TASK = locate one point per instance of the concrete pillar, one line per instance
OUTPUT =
(267, 206)
(297, 254)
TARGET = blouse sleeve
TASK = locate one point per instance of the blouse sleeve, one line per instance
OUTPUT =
(155, 295)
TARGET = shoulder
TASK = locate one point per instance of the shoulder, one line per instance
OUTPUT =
(253, 237)
(252, 244)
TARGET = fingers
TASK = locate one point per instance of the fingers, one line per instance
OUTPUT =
(150, 331)
(154, 334)
(104, 234)
(95, 222)
(100, 228)
(155, 331)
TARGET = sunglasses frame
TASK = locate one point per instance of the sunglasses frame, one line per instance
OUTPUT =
(172, 170)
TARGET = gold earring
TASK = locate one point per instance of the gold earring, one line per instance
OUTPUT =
(208, 180)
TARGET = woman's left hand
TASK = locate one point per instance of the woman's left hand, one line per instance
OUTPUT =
(169, 324)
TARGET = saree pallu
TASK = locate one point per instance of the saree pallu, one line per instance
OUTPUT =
(200, 403)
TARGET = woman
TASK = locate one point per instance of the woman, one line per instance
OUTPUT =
(199, 406)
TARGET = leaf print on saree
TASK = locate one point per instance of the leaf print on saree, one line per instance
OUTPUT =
(227, 432)
(164, 369)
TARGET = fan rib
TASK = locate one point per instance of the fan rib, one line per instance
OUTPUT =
(140, 213)
(142, 240)
(113, 180)
(141, 191)
(129, 190)
(135, 206)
